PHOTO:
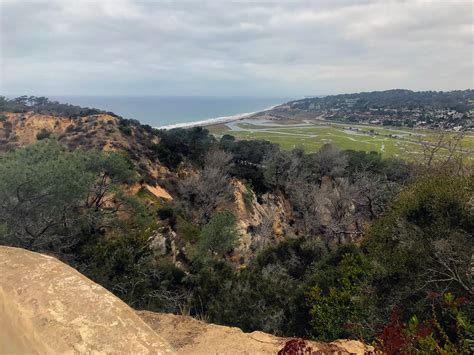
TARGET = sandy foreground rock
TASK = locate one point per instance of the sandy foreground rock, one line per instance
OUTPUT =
(191, 336)
(47, 307)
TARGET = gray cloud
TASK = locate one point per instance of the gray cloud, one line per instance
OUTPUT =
(275, 48)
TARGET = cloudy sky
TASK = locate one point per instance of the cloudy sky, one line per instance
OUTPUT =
(243, 48)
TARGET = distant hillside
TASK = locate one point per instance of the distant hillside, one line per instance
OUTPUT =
(25, 120)
(392, 107)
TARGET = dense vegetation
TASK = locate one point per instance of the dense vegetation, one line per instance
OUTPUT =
(375, 249)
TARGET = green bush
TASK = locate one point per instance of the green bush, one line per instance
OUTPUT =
(269, 294)
(248, 198)
(43, 134)
(124, 264)
(337, 298)
(187, 230)
(219, 236)
(125, 130)
(415, 247)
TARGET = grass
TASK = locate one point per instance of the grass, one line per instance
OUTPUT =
(390, 142)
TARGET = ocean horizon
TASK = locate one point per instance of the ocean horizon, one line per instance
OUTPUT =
(176, 111)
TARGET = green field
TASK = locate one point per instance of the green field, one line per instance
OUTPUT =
(390, 142)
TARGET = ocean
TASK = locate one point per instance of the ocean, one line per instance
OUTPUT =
(175, 111)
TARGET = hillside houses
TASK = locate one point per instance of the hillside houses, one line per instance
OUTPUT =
(447, 110)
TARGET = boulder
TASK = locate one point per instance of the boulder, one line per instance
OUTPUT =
(47, 307)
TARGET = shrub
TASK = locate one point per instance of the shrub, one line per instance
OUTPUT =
(125, 130)
(125, 265)
(430, 336)
(186, 230)
(336, 300)
(248, 198)
(43, 134)
(219, 236)
(427, 234)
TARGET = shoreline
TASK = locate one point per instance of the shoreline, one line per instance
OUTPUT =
(216, 120)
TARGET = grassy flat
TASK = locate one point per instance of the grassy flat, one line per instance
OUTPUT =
(390, 142)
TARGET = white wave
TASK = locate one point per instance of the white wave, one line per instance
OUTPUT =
(216, 120)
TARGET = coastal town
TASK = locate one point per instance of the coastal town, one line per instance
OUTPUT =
(400, 108)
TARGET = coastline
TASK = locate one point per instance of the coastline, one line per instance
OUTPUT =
(216, 120)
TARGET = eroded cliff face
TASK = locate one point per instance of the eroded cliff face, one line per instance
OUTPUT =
(260, 221)
(47, 307)
(101, 132)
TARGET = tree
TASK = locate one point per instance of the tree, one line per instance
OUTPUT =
(183, 145)
(268, 294)
(372, 193)
(277, 165)
(124, 263)
(248, 160)
(203, 192)
(49, 196)
(219, 236)
(330, 161)
(424, 244)
(445, 149)
(342, 211)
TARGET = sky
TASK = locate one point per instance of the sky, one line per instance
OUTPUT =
(234, 48)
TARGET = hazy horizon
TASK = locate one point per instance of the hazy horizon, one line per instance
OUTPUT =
(233, 49)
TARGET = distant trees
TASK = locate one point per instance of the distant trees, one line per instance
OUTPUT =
(44, 106)
(333, 192)
(277, 168)
(248, 159)
(445, 148)
(178, 145)
(373, 193)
